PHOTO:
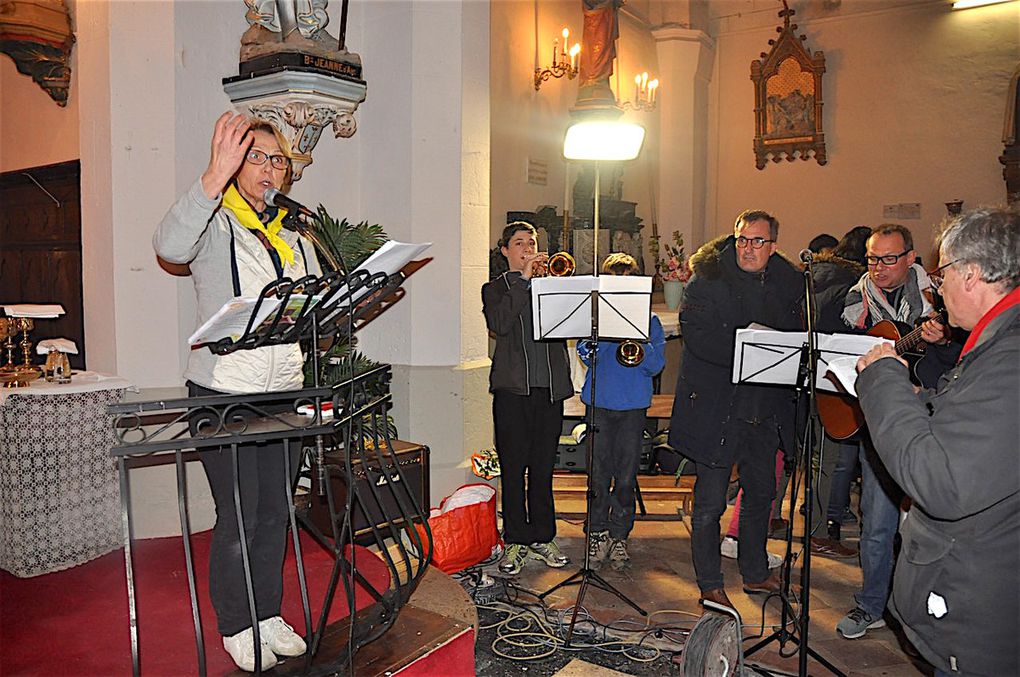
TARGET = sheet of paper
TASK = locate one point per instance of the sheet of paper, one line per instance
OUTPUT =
(393, 256)
(838, 353)
(763, 355)
(232, 319)
(561, 306)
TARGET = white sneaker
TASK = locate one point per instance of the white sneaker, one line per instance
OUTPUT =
(282, 639)
(730, 547)
(241, 648)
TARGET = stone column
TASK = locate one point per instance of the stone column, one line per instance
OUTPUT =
(424, 174)
(685, 61)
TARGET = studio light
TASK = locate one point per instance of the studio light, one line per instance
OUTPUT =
(603, 140)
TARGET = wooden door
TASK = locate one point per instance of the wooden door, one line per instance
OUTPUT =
(40, 248)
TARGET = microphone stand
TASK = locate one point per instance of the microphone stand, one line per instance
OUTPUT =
(806, 378)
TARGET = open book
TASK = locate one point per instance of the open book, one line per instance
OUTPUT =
(231, 319)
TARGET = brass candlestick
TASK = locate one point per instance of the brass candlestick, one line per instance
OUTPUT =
(18, 376)
(7, 333)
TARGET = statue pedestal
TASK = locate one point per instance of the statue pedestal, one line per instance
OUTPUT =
(300, 100)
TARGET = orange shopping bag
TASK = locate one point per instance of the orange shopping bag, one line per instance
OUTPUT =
(463, 528)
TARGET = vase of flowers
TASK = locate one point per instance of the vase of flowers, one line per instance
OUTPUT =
(672, 267)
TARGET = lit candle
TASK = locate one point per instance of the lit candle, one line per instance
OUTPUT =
(652, 87)
(566, 34)
(556, 50)
(637, 88)
(644, 85)
(574, 51)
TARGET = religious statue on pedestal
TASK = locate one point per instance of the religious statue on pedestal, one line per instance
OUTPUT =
(600, 32)
(277, 26)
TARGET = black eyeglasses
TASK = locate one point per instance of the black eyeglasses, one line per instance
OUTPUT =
(755, 242)
(887, 260)
(257, 157)
(938, 276)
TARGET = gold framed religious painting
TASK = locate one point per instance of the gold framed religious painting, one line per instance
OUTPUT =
(788, 99)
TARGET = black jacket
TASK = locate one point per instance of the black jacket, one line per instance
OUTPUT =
(719, 299)
(833, 276)
(504, 301)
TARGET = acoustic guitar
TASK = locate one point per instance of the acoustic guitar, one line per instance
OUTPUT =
(841, 415)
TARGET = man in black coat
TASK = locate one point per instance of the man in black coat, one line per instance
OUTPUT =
(737, 280)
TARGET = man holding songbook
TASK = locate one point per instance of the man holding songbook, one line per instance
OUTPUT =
(953, 449)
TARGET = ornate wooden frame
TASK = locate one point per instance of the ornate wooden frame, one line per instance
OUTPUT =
(788, 99)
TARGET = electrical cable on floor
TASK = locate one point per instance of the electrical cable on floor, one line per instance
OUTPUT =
(529, 631)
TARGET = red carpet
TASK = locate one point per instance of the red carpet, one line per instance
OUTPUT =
(75, 622)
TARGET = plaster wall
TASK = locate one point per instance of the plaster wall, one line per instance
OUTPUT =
(531, 124)
(34, 130)
(914, 99)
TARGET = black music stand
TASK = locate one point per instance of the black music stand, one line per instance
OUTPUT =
(336, 305)
(302, 310)
(554, 323)
(806, 377)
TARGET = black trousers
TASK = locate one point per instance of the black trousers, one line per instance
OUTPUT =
(614, 473)
(263, 490)
(756, 446)
(527, 433)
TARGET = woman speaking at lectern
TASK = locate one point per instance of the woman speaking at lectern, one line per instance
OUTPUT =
(234, 245)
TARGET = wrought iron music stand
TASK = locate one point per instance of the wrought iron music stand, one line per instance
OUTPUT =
(805, 383)
(333, 305)
(586, 576)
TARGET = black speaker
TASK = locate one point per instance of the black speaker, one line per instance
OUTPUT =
(377, 508)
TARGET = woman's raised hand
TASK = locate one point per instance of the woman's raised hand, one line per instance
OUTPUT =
(230, 143)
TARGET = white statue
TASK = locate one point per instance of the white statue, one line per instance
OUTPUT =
(289, 26)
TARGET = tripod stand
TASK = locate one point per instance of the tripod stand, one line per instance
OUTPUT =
(586, 576)
(806, 379)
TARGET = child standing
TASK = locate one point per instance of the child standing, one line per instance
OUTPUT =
(623, 394)
(529, 381)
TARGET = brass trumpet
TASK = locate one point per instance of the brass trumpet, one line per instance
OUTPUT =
(560, 264)
(630, 353)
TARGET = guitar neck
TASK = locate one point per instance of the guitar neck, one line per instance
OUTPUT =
(909, 341)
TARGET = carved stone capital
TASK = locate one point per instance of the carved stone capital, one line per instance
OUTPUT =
(299, 105)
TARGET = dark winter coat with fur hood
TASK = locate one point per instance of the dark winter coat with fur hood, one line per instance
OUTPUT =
(833, 277)
(719, 299)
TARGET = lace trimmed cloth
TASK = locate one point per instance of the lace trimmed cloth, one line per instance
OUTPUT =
(59, 492)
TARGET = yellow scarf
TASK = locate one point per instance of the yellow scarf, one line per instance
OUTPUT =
(233, 201)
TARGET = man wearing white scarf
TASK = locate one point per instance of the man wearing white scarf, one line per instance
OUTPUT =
(894, 288)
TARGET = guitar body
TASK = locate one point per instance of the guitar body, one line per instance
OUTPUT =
(841, 415)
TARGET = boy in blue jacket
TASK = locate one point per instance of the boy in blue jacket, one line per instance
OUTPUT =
(622, 398)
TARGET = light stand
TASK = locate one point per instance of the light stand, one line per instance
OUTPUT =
(595, 141)
(806, 384)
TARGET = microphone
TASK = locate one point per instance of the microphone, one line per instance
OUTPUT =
(274, 197)
(806, 255)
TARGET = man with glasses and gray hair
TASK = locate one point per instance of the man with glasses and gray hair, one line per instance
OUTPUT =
(953, 449)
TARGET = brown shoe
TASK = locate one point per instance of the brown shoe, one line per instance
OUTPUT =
(769, 586)
(826, 547)
(718, 595)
